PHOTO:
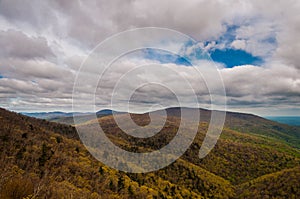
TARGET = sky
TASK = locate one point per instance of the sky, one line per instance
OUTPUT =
(254, 46)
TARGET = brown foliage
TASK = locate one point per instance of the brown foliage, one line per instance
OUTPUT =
(17, 187)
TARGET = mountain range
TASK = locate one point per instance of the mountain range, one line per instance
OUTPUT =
(254, 158)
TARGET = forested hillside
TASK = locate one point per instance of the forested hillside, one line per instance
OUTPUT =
(41, 159)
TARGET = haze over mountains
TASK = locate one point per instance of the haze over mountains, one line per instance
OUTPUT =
(238, 121)
(290, 120)
(65, 117)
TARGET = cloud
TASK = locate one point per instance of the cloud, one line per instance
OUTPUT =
(33, 69)
(89, 22)
(259, 38)
(43, 44)
(253, 85)
(239, 44)
(285, 16)
(15, 44)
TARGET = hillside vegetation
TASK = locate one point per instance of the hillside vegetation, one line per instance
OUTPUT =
(41, 159)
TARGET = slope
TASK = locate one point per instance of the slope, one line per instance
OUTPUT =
(45, 159)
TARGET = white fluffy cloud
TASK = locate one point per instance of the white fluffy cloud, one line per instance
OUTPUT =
(44, 42)
(239, 44)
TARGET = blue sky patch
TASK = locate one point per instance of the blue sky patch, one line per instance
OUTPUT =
(164, 57)
(229, 35)
(232, 57)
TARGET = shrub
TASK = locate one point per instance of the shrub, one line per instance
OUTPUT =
(16, 188)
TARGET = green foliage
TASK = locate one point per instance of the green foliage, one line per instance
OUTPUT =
(242, 165)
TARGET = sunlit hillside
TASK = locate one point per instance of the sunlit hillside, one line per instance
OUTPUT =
(41, 159)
